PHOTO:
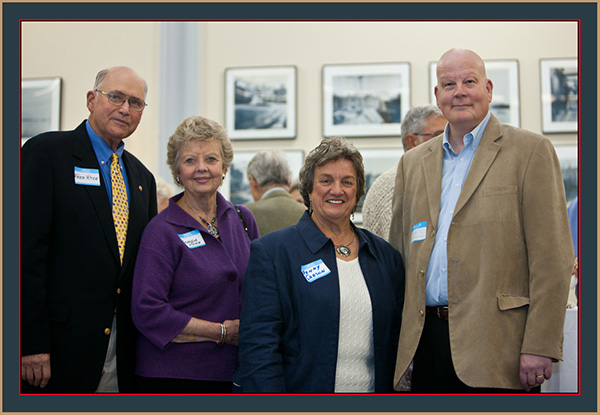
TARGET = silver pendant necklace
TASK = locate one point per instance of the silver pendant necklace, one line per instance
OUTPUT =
(344, 249)
(211, 227)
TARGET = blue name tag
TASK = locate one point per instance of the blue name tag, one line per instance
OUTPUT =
(87, 177)
(419, 232)
(314, 270)
(192, 239)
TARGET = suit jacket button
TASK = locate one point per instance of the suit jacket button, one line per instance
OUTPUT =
(107, 331)
(118, 291)
(421, 313)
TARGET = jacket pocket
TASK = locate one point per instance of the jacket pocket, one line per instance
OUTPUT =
(507, 302)
(499, 190)
(58, 311)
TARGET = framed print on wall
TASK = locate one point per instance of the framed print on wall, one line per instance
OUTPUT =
(504, 75)
(560, 95)
(365, 100)
(236, 180)
(40, 106)
(260, 102)
(376, 161)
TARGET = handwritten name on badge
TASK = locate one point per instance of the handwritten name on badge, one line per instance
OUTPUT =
(192, 239)
(314, 270)
(87, 177)
(419, 232)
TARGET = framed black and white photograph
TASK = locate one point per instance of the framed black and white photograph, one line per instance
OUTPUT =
(236, 187)
(376, 162)
(504, 75)
(560, 95)
(568, 158)
(260, 103)
(365, 100)
(40, 106)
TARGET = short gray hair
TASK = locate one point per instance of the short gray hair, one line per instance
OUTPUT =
(197, 128)
(102, 74)
(331, 149)
(415, 119)
(270, 167)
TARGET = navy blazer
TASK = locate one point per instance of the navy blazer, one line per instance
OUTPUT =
(288, 337)
(72, 281)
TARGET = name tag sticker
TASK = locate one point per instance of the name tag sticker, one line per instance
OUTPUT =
(87, 177)
(419, 231)
(314, 270)
(192, 239)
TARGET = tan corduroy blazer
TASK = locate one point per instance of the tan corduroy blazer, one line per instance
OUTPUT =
(509, 254)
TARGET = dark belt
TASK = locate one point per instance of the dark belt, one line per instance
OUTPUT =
(439, 312)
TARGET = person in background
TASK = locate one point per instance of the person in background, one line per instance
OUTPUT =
(164, 191)
(322, 298)
(420, 124)
(270, 176)
(295, 191)
(86, 201)
(573, 211)
(187, 282)
(480, 217)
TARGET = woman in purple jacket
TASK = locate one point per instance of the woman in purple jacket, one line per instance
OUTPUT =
(188, 277)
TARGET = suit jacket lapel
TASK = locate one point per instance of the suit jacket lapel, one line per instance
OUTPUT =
(84, 156)
(432, 171)
(484, 157)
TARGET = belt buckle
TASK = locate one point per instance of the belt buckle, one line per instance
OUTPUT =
(437, 310)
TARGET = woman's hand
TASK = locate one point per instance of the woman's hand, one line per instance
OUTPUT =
(233, 327)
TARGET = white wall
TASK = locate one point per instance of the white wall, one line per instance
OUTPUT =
(76, 51)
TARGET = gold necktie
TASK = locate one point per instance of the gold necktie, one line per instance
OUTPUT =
(120, 208)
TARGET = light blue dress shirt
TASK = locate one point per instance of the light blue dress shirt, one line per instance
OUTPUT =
(103, 154)
(454, 172)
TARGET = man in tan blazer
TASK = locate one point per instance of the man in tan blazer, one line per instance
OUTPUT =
(479, 215)
(270, 178)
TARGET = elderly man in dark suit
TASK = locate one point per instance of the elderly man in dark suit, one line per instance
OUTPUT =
(270, 178)
(85, 203)
(480, 218)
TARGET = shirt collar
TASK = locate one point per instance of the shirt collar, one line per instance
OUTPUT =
(471, 139)
(271, 190)
(102, 150)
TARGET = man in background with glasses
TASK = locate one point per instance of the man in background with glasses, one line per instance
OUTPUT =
(419, 125)
(85, 202)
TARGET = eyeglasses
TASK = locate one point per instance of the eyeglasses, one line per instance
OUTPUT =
(431, 134)
(118, 99)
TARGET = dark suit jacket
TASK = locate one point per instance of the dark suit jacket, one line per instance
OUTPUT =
(288, 339)
(510, 254)
(275, 211)
(71, 278)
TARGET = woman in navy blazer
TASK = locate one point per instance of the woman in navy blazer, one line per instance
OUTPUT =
(322, 299)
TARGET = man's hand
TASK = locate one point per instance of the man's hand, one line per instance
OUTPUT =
(534, 370)
(35, 369)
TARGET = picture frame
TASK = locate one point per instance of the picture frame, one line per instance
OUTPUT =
(260, 102)
(365, 100)
(569, 165)
(40, 106)
(376, 162)
(504, 75)
(560, 95)
(236, 187)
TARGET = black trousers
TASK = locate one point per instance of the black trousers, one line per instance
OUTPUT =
(433, 370)
(169, 385)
